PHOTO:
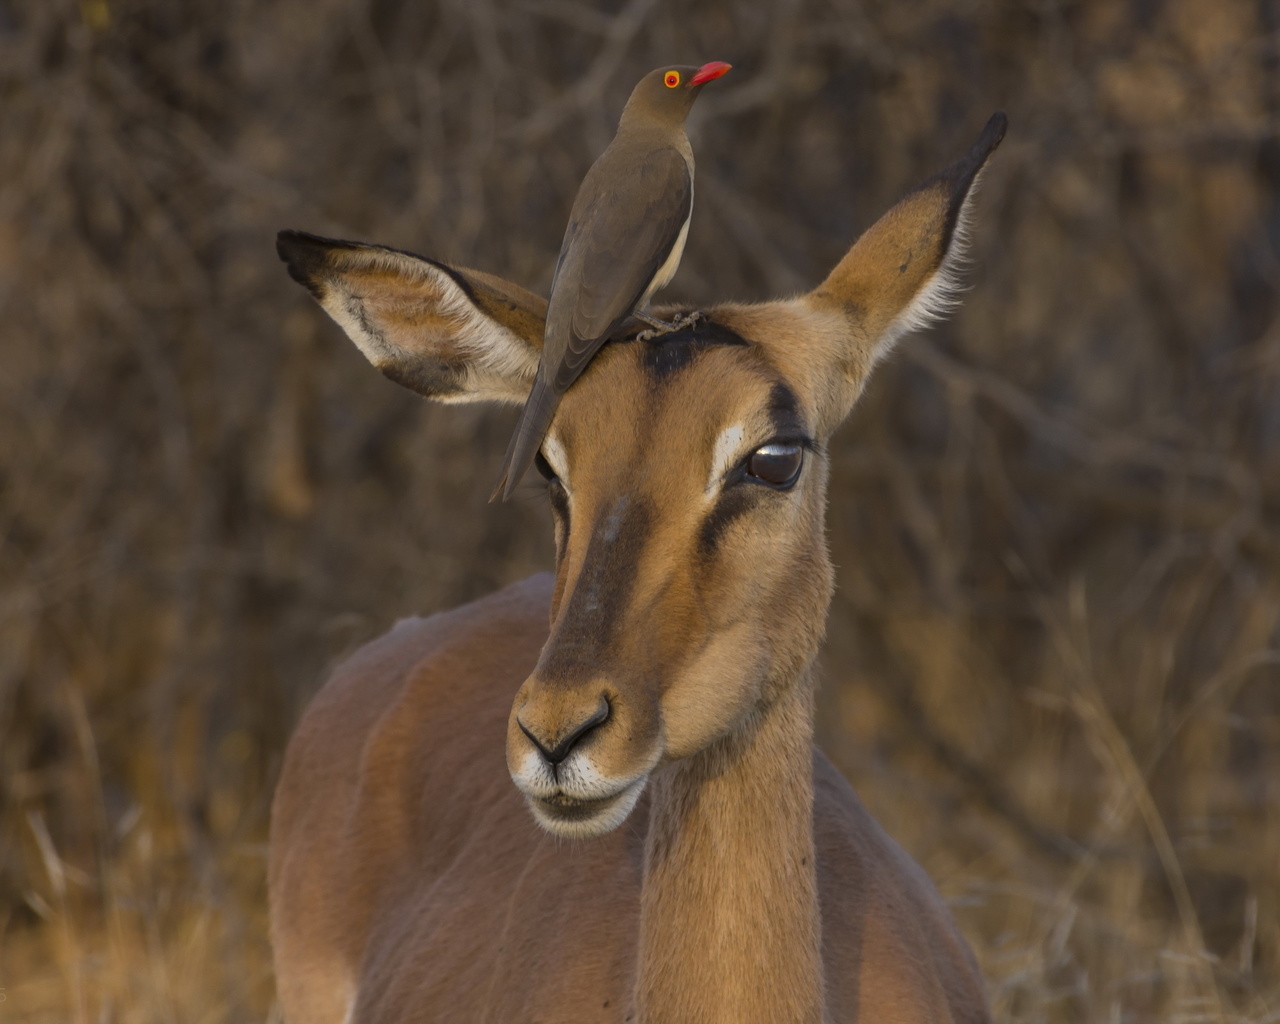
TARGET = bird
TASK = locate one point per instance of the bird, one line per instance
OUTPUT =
(626, 234)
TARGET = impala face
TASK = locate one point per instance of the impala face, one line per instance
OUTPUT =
(688, 487)
(687, 476)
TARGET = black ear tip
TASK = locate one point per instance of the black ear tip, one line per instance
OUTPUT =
(961, 174)
(291, 244)
(993, 132)
(304, 255)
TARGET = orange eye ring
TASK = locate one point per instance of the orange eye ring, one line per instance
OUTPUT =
(671, 79)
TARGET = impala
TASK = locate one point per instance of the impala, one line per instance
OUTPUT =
(674, 850)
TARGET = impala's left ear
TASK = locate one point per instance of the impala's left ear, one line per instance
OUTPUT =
(449, 333)
(903, 272)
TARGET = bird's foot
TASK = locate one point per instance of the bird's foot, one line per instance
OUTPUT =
(688, 319)
(661, 327)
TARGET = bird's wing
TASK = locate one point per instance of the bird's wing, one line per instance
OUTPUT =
(615, 245)
(617, 239)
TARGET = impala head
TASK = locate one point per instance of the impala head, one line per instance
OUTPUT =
(687, 474)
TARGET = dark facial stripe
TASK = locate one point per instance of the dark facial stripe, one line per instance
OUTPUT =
(663, 359)
(593, 616)
(559, 501)
(560, 510)
(737, 499)
(784, 412)
(670, 353)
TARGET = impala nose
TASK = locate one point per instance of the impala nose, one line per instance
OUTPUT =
(555, 751)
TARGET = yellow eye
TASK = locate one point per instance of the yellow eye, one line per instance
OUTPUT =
(672, 79)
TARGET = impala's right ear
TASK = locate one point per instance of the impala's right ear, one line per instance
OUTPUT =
(447, 333)
(903, 273)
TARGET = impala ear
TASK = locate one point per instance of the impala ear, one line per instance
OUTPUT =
(903, 273)
(447, 333)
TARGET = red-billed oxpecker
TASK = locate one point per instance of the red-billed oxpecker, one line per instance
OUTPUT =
(625, 237)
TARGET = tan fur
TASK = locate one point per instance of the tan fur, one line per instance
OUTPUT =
(707, 864)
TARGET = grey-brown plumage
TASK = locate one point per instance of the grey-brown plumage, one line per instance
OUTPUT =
(625, 237)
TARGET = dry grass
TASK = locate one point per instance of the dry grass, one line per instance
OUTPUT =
(1055, 653)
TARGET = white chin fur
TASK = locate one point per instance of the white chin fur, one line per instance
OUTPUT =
(575, 799)
(585, 821)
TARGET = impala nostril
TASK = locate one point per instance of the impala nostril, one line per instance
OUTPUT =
(557, 752)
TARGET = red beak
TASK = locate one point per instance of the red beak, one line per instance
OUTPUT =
(709, 71)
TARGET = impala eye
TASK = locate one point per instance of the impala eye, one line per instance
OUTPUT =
(544, 467)
(777, 464)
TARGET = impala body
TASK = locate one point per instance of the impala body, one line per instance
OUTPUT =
(673, 848)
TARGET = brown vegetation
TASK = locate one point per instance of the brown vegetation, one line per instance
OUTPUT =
(1054, 659)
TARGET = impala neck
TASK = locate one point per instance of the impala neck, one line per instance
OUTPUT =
(729, 925)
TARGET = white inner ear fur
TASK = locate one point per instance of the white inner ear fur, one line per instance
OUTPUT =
(553, 452)
(942, 293)
(500, 365)
(728, 447)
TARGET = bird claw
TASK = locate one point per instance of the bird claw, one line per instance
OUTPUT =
(661, 327)
(688, 319)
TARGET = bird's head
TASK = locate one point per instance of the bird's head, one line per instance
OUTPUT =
(666, 94)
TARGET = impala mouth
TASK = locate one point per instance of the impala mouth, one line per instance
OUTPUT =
(577, 818)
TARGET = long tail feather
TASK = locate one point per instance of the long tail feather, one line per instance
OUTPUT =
(527, 438)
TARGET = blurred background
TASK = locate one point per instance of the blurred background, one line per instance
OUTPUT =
(1053, 669)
